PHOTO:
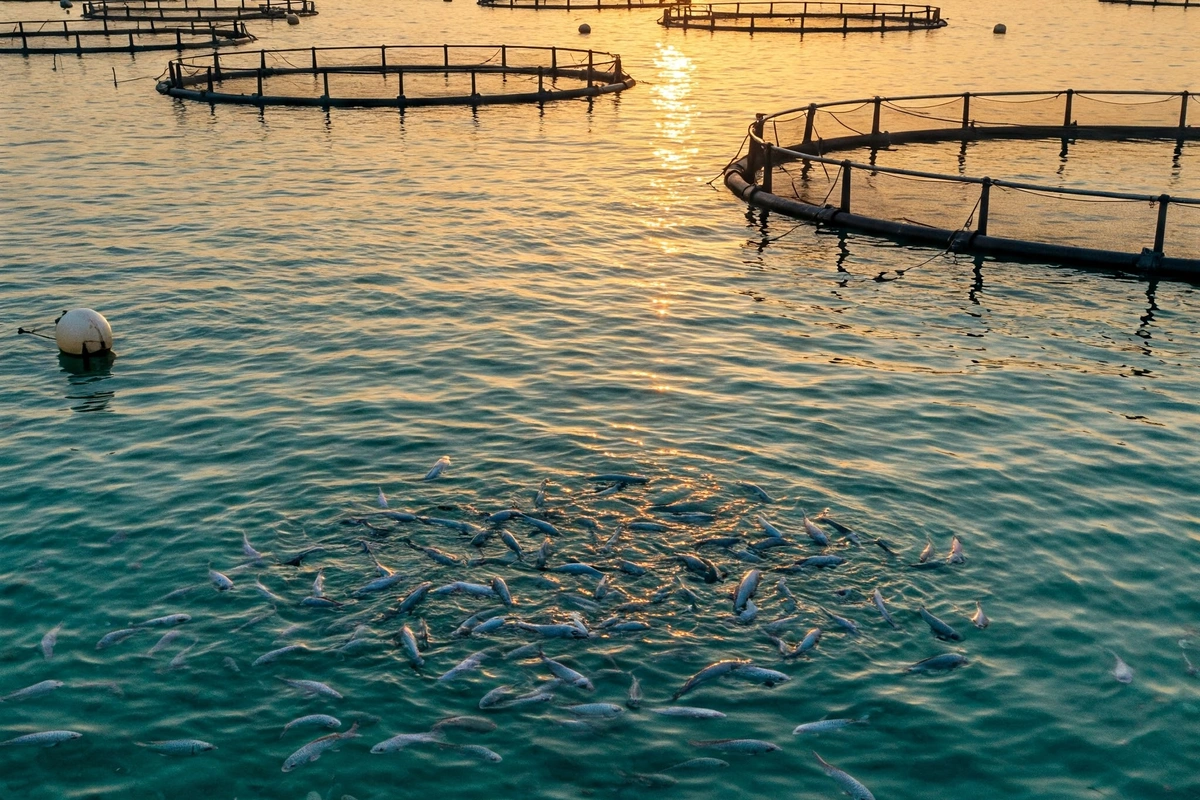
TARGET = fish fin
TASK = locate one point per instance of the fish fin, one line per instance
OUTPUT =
(823, 762)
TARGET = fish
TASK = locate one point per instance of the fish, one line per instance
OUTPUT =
(848, 625)
(848, 783)
(602, 589)
(313, 750)
(826, 725)
(180, 659)
(577, 568)
(312, 720)
(437, 469)
(248, 549)
(746, 615)
(422, 633)
(940, 629)
(379, 584)
(566, 674)
(165, 622)
(403, 740)
(36, 690)
(746, 589)
(222, 582)
(495, 697)
(321, 602)
(927, 553)
(820, 562)
(1121, 671)
(979, 618)
(689, 712)
(42, 738)
(511, 543)
(381, 499)
(414, 598)
(877, 599)
(646, 526)
(231, 665)
(502, 516)
(748, 746)
(49, 640)
(539, 499)
(480, 752)
(468, 664)
(786, 597)
(618, 477)
(542, 554)
(767, 544)
(885, 546)
(474, 724)
(267, 593)
(630, 568)
(116, 637)
(489, 625)
(814, 532)
(768, 528)
(524, 651)
(594, 709)
(942, 663)
(849, 533)
(629, 626)
(767, 677)
(267, 658)
(318, 589)
(163, 642)
(718, 541)
(401, 516)
(558, 631)
(542, 525)
(709, 673)
(634, 700)
(468, 624)
(473, 589)
(409, 641)
(453, 524)
(178, 747)
(785, 650)
(956, 552)
(783, 623)
(809, 641)
(756, 490)
(701, 763)
(313, 688)
(700, 566)
(254, 620)
(445, 559)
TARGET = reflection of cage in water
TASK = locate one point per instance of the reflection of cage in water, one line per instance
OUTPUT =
(99, 36)
(1155, 233)
(396, 76)
(802, 17)
(575, 5)
(181, 10)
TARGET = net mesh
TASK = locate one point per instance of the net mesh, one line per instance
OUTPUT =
(803, 17)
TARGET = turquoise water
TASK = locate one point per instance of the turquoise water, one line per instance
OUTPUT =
(308, 307)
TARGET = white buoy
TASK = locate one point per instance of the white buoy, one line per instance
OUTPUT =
(1000, 28)
(80, 328)
(585, 29)
(293, 19)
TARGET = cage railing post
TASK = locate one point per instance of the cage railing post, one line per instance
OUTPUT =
(179, 40)
(767, 183)
(216, 63)
(1067, 113)
(210, 79)
(541, 84)
(24, 42)
(966, 121)
(400, 94)
(590, 63)
(618, 73)
(383, 59)
(474, 93)
(504, 56)
(1183, 103)
(325, 97)
(809, 119)
(554, 62)
(875, 117)
(985, 196)
(756, 144)
(845, 206)
(314, 59)
(1160, 230)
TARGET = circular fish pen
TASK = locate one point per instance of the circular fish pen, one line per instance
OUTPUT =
(789, 169)
(790, 17)
(1178, 3)
(183, 10)
(575, 5)
(396, 76)
(88, 36)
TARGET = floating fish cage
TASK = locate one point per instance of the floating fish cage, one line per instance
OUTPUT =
(99, 36)
(182, 10)
(576, 5)
(802, 17)
(790, 169)
(396, 76)
(1179, 3)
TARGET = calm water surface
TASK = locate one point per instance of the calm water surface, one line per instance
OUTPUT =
(309, 306)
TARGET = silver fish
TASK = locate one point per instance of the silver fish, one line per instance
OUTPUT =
(542, 525)
(178, 747)
(553, 631)
(489, 625)
(634, 700)
(42, 739)
(180, 659)
(37, 690)
(927, 553)
(782, 624)
(164, 622)
(979, 618)
(826, 725)
(381, 499)
(543, 553)
(49, 640)
(313, 688)
(630, 568)
(403, 740)
(222, 582)
(576, 568)
(942, 663)
(629, 625)
(313, 750)
(254, 621)
(757, 491)
(767, 677)
(248, 549)
(453, 524)
(877, 599)
(647, 526)
(480, 752)
(524, 651)
(747, 746)
(500, 589)
(594, 709)
(847, 782)
(163, 642)
(475, 724)
(847, 625)
(267, 658)
(468, 664)
(502, 516)
(312, 720)
(401, 516)
(820, 562)
(468, 624)
(689, 712)
(956, 552)
(539, 499)
(814, 531)
(747, 614)
(511, 543)
(602, 589)
(746, 589)
(379, 584)
(1121, 670)
(320, 602)
(768, 528)
(709, 673)
(701, 763)
(940, 629)
(445, 559)
(618, 477)
(850, 534)
(566, 674)
(437, 469)
(318, 589)
(786, 597)
(116, 637)
(414, 598)
(267, 593)
(409, 641)
(809, 641)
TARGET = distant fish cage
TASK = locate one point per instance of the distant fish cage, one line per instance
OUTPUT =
(98, 36)
(182, 10)
(1179, 3)
(1056, 224)
(396, 76)
(802, 17)
(575, 5)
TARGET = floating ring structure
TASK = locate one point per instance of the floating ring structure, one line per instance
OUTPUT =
(1178, 3)
(88, 36)
(793, 17)
(575, 5)
(1154, 234)
(183, 10)
(396, 76)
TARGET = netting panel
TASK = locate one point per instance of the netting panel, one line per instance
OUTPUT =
(1119, 225)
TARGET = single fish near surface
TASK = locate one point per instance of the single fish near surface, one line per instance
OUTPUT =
(49, 640)
(746, 589)
(267, 658)
(979, 618)
(466, 723)
(312, 720)
(943, 663)
(826, 725)
(379, 584)
(711, 672)
(542, 525)
(940, 629)
(437, 469)
(809, 641)
(767, 677)
(116, 637)
(768, 528)
(956, 552)
(846, 531)
(747, 746)
(877, 599)
(566, 674)
(820, 562)
(848, 625)
(756, 490)
(222, 582)
(1121, 671)
(480, 752)
(37, 690)
(318, 589)
(848, 783)
(927, 553)
(409, 641)
(701, 763)
(267, 593)
(814, 532)
(164, 642)
(489, 625)
(468, 664)
(577, 568)
(313, 750)
(595, 709)
(313, 688)
(403, 740)
(634, 700)
(321, 602)
(647, 526)
(180, 659)
(178, 747)
(381, 499)
(414, 598)
(248, 549)
(165, 622)
(689, 712)
(42, 739)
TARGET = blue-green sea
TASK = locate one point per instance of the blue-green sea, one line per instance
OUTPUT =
(312, 307)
